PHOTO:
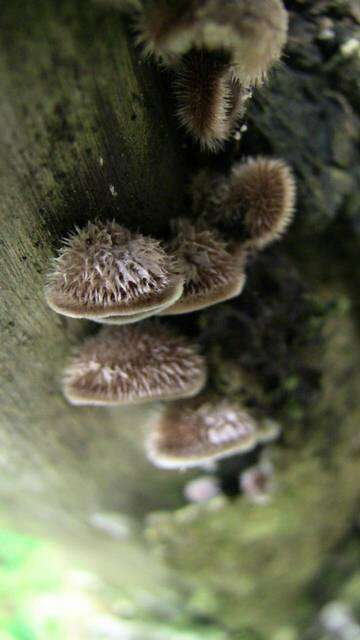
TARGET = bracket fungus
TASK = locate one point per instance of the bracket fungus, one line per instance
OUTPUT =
(258, 196)
(218, 51)
(253, 32)
(191, 433)
(133, 365)
(135, 317)
(212, 273)
(210, 100)
(105, 270)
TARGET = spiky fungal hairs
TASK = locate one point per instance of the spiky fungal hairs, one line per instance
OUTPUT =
(219, 50)
(190, 433)
(132, 365)
(212, 273)
(258, 195)
(105, 270)
(210, 102)
(253, 32)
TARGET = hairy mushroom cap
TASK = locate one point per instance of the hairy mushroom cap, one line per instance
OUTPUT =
(105, 270)
(191, 433)
(212, 273)
(258, 196)
(265, 189)
(210, 101)
(253, 32)
(133, 365)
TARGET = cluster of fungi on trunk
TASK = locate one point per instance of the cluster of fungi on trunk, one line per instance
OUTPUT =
(217, 52)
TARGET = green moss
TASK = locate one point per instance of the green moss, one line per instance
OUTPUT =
(252, 566)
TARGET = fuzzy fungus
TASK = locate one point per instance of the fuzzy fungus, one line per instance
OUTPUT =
(105, 270)
(252, 32)
(218, 51)
(210, 101)
(212, 273)
(191, 433)
(258, 196)
(133, 365)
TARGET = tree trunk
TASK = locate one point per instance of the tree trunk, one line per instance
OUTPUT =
(88, 132)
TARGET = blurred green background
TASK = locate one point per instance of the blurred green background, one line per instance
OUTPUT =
(30, 574)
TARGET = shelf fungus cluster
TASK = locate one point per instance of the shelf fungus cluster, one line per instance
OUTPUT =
(107, 274)
(218, 51)
(113, 276)
(192, 433)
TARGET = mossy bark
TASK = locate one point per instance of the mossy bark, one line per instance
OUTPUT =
(87, 132)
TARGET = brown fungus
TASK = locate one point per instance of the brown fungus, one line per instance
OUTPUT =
(212, 273)
(210, 101)
(133, 365)
(191, 433)
(252, 32)
(218, 51)
(266, 188)
(193, 36)
(105, 270)
(258, 196)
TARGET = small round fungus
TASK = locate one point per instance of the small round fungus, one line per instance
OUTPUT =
(265, 190)
(258, 196)
(105, 270)
(191, 433)
(202, 489)
(210, 101)
(132, 365)
(212, 273)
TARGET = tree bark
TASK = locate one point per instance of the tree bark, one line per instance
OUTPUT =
(88, 132)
